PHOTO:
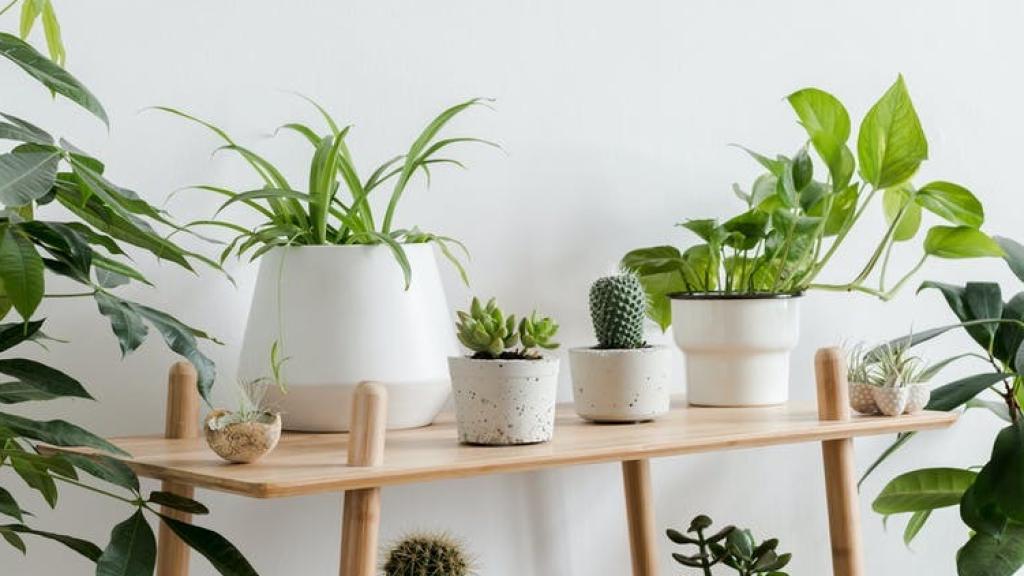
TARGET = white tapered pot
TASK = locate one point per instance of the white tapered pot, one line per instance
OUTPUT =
(737, 348)
(342, 315)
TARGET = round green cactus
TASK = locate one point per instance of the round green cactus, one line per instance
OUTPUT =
(618, 305)
(427, 555)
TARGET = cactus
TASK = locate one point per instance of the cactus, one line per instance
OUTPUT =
(489, 334)
(730, 546)
(427, 555)
(618, 305)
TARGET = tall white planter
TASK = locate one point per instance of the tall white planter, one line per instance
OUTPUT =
(737, 349)
(342, 315)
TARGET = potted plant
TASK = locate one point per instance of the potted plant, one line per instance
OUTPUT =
(732, 547)
(427, 554)
(734, 297)
(888, 380)
(248, 433)
(343, 292)
(622, 379)
(504, 394)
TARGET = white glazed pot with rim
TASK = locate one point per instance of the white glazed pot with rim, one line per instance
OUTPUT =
(342, 315)
(627, 385)
(737, 347)
(504, 402)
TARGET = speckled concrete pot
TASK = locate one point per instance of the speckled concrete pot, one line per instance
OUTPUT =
(504, 402)
(242, 442)
(862, 399)
(620, 385)
(909, 399)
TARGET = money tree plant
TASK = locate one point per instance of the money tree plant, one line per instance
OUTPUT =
(796, 216)
(87, 249)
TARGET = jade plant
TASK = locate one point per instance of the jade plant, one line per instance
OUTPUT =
(733, 547)
(427, 555)
(618, 306)
(796, 216)
(490, 334)
(85, 242)
(336, 207)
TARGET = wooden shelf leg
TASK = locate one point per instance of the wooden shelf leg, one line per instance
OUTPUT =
(636, 478)
(840, 466)
(181, 421)
(360, 521)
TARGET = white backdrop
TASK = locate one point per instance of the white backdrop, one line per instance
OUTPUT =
(616, 118)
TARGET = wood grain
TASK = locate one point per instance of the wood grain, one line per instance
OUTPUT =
(360, 521)
(312, 463)
(182, 422)
(643, 544)
(840, 466)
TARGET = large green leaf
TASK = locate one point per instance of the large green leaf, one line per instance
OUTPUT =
(131, 551)
(997, 495)
(105, 468)
(23, 131)
(960, 242)
(956, 299)
(1013, 253)
(36, 476)
(9, 506)
(956, 394)
(63, 243)
(126, 323)
(26, 176)
(914, 525)
(986, 555)
(50, 74)
(984, 300)
(182, 339)
(952, 202)
(925, 489)
(36, 381)
(56, 432)
(897, 203)
(828, 124)
(178, 502)
(223, 555)
(83, 547)
(21, 270)
(13, 334)
(891, 143)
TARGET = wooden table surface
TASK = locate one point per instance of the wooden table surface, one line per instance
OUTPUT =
(315, 463)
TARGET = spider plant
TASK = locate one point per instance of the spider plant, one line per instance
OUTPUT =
(323, 214)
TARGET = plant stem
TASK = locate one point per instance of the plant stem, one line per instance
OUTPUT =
(8, 7)
(847, 288)
(72, 295)
(886, 240)
(843, 233)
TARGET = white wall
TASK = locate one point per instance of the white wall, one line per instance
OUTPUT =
(615, 117)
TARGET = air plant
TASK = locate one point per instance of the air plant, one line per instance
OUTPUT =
(252, 405)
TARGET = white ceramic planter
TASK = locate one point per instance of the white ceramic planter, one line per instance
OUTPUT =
(737, 349)
(342, 316)
(503, 402)
(909, 399)
(620, 385)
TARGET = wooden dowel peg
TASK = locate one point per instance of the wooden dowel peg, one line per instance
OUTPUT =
(181, 421)
(360, 522)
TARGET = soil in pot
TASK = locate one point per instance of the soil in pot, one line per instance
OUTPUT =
(242, 442)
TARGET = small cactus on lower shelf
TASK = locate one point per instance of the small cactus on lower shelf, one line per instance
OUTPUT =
(618, 305)
(427, 555)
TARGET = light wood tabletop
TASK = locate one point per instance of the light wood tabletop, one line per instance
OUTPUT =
(315, 463)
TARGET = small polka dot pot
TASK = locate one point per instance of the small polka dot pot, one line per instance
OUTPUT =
(861, 398)
(905, 400)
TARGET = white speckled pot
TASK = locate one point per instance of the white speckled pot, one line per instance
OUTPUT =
(620, 385)
(909, 399)
(504, 402)
(862, 399)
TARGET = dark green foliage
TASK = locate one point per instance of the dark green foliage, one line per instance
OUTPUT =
(427, 555)
(730, 546)
(618, 306)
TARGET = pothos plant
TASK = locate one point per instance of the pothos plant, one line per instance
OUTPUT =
(335, 207)
(88, 250)
(793, 223)
(990, 499)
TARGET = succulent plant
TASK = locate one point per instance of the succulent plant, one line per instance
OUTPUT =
(730, 546)
(618, 305)
(490, 334)
(427, 555)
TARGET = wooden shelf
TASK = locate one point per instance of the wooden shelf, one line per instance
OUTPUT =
(315, 463)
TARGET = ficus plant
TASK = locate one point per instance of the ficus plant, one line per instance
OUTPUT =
(336, 206)
(990, 498)
(730, 546)
(87, 250)
(796, 215)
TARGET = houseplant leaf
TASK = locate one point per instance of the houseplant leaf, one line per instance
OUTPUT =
(222, 554)
(827, 123)
(960, 242)
(1013, 253)
(955, 394)
(132, 549)
(897, 202)
(986, 555)
(21, 270)
(952, 202)
(26, 176)
(891, 143)
(925, 489)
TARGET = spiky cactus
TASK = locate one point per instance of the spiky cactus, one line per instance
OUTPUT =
(618, 305)
(427, 555)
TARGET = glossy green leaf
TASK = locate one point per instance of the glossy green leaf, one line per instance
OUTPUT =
(49, 74)
(986, 555)
(83, 547)
(9, 506)
(223, 555)
(36, 477)
(26, 176)
(105, 468)
(21, 270)
(131, 551)
(997, 495)
(36, 381)
(56, 432)
(178, 502)
(960, 242)
(1013, 253)
(957, 393)
(925, 489)
(891, 143)
(51, 29)
(827, 123)
(13, 334)
(897, 202)
(984, 300)
(952, 202)
(13, 539)
(125, 321)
